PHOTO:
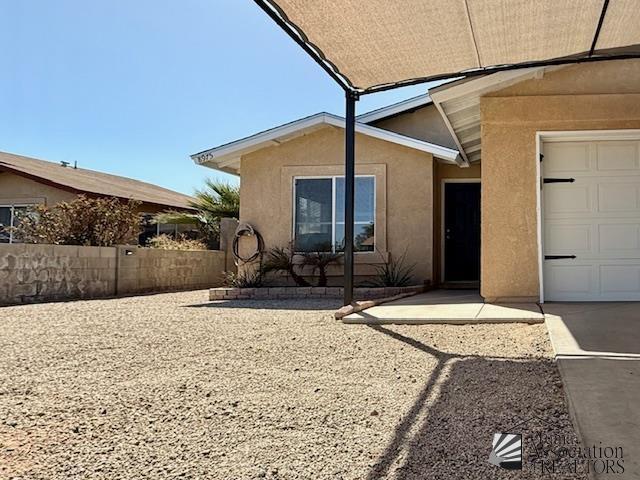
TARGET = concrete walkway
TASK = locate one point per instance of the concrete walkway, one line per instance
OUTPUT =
(597, 349)
(446, 306)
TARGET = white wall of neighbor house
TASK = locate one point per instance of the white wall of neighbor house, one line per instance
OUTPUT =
(403, 195)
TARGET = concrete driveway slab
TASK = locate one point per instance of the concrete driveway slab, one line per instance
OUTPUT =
(597, 348)
(578, 329)
(604, 402)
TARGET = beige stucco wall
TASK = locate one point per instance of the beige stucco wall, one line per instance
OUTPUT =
(424, 123)
(404, 193)
(596, 96)
(17, 189)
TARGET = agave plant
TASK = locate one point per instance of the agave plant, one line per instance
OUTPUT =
(215, 201)
(393, 273)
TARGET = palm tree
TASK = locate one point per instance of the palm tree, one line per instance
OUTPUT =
(215, 201)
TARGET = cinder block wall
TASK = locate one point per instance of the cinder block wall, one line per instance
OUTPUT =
(39, 273)
(143, 270)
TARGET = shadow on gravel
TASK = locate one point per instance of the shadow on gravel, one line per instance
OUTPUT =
(283, 304)
(448, 431)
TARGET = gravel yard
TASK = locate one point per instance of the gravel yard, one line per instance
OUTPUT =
(173, 386)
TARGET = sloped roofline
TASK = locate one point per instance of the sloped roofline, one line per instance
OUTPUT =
(226, 157)
(91, 182)
(459, 104)
(395, 109)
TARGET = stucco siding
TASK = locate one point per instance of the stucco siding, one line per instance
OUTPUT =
(404, 193)
(598, 96)
(424, 123)
(17, 189)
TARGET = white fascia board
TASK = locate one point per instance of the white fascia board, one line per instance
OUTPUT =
(395, 109)
(488, 83)
(475, 88)
(463, 156)
(260, 140)
(224, 156)
(439, 151)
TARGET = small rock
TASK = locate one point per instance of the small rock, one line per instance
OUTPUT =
(374, 413)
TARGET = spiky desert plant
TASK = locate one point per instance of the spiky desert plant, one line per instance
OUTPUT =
(393, 273)
(319, 261)
(281, 259)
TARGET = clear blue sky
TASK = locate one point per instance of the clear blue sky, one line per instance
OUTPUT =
(134, 87)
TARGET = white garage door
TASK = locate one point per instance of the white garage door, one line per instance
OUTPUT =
(595, 218)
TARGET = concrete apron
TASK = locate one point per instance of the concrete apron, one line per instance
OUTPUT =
(597, 348)
(447, 306)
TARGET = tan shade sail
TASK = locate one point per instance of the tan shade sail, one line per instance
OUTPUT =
(370, 45)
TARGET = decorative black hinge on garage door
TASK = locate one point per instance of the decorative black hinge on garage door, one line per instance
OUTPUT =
(558, 257)
(558, 180)
(541, 156)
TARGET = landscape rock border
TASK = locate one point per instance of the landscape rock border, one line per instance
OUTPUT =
(262, 293)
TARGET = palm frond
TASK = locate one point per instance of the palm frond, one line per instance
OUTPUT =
(217, 199)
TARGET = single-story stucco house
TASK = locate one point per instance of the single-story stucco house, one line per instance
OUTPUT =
(26, 181)
(525, 182)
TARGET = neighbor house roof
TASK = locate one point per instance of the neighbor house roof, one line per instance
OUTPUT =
(459, 105)
(376, 45)
(227, 157)
(80, 180)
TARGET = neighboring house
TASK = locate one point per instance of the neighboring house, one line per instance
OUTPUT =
(456, 184)
(28, 181)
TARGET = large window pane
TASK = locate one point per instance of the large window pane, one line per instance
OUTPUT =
(364, 199)
(363, 237)
(313, 220)
(364, 214)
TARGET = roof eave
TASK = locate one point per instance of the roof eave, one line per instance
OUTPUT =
(223, 157)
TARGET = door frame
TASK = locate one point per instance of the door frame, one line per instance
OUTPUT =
(443, 183)
(542, 137)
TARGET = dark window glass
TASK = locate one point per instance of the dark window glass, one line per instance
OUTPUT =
(364, 214)
(313, 208)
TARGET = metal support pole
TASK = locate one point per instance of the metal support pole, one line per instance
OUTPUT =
(349, 197)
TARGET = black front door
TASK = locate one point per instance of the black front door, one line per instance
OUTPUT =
(462, 232)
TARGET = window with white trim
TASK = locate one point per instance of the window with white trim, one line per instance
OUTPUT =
(10, 217)
(319, 213)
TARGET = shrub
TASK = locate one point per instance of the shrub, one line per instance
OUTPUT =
(393, 273)
(319, 261)
(283, 259)
(85, 221)
(280, 259)
(244, 279)
(165, 242)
